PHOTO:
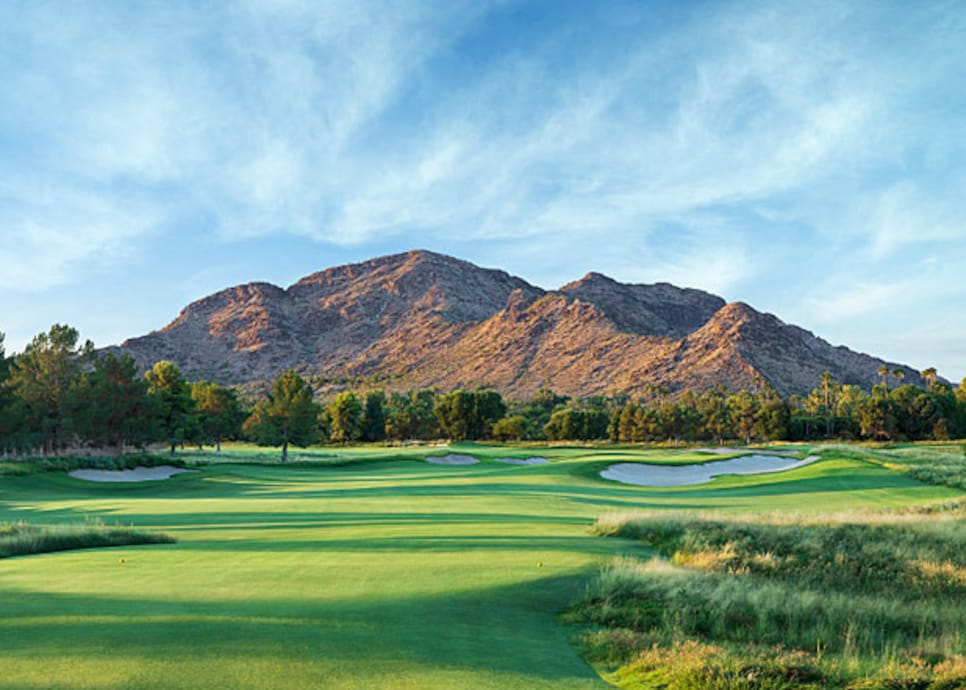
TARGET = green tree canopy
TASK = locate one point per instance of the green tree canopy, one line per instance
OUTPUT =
(510, 428)
(345, 418)
(177, 420)
(877, 417)
(456, 412)
(713, 406)
(374, 417)
(8, 420)
(742, 412)
(578, 424)
(42, 376)
(111, 406)
(772, 418)
(220, 414)
(466, 415)
(411, 416)
(289, 415)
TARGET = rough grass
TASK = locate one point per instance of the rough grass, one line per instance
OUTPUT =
(694, 665)
(22, 539)
(847, 600)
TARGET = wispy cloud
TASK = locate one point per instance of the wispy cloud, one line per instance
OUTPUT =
(43, 243)
(847, 300)
(250, 120)
(335, 122)
(905, 214)
(668, 142)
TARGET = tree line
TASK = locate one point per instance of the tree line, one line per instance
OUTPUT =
(58, 396)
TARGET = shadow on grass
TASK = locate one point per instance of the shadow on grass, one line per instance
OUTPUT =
(506, 629)
(536, 544)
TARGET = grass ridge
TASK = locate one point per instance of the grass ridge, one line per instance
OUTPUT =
(22, 539)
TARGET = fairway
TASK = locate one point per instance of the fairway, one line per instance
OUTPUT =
(385, 572)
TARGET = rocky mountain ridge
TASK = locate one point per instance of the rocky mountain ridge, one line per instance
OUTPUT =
(422, 319)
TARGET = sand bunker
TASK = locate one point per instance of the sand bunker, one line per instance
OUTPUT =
(638, 474)
(138, 474)
(453, 460)
(734, 451)
(523, 461)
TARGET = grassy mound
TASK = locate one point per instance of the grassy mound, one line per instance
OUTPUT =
(21, 539)
(942, 464)
(853, 600)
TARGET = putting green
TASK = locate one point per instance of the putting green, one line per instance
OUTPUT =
(394, 573)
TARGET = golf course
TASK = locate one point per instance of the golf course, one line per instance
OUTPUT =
(362, 567)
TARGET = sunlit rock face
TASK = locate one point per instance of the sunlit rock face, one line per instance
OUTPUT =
(422, 319)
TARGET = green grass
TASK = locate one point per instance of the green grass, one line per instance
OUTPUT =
(371, 569)
(851, 595)
(943, 464)
(22, 539)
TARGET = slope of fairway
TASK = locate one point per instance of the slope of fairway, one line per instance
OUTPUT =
(377, 574)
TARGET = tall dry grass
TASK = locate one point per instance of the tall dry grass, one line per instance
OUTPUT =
(832, 600)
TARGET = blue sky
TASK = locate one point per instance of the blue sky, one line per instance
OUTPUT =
(808, 158)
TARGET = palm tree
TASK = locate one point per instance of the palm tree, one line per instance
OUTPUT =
(930, 375)
(900, 374)
(827, 384)
(884, 373)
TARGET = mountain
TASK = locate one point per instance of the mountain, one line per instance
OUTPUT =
(422, 319)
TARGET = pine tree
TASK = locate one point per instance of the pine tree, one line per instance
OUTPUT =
(220, 415)
(345, 416)
(374, 417)
(177, 419)
(42, 376)
(111, 406)
(289, 415)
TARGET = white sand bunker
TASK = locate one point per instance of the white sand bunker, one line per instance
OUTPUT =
(722, 450)
(138, 474)
(638, 474)
(523, 461)
(453, 460)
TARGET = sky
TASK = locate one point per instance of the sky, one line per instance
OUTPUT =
(808, 158)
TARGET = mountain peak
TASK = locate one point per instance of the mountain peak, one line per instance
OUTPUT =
(381, 265)
(656, 310)
(592, 278)
(420, 318)
(737, 312)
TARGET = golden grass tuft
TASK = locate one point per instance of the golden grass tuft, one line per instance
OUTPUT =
(859, 600)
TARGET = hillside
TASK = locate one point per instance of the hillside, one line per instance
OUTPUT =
(424, 319)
